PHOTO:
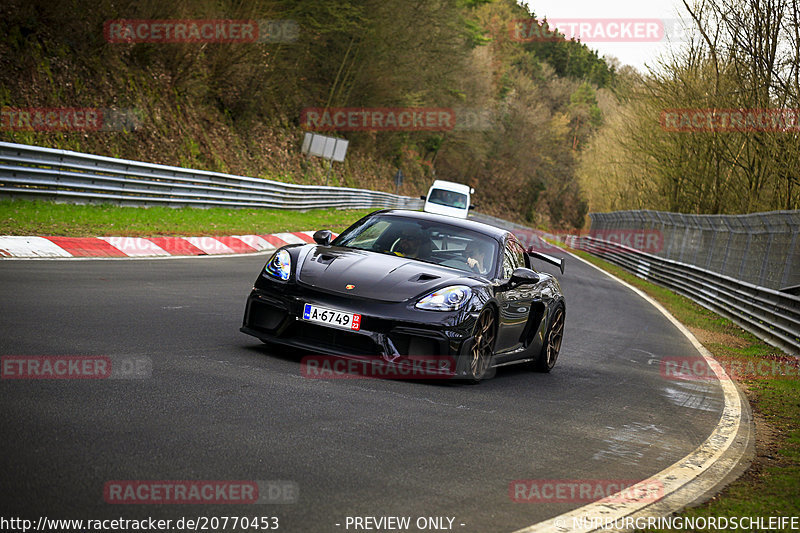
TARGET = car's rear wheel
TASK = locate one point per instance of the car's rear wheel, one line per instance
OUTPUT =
(482, 350)
(552, 344)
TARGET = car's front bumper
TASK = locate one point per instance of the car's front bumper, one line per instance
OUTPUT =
(396, 333)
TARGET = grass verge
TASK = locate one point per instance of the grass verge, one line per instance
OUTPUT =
(771, 486)
(23, 217)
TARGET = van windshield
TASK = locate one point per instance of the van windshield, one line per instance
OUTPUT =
(448, 198)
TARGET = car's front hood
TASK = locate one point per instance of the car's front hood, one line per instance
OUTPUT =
(370, 275)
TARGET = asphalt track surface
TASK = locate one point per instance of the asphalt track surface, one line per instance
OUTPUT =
(221, 406)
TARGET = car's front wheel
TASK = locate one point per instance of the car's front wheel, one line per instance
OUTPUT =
(552, 344)
(482, 351)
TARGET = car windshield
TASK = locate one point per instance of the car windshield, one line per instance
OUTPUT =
(433, 242)
(448, 198)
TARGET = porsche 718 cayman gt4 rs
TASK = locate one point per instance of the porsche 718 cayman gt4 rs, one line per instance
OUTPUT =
(397, 286)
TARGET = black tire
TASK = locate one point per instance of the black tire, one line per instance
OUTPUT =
(552, 343)
(482, 351)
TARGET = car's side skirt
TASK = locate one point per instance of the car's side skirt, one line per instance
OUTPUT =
(514, 362)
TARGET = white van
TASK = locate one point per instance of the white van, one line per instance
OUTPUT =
(448, 198)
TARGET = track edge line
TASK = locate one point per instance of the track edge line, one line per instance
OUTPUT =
(720, 459)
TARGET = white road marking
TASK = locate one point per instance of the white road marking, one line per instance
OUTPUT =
(30, 247)
(676, 477)
(290, 238)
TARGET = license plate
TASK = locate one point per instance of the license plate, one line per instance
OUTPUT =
(331, 317)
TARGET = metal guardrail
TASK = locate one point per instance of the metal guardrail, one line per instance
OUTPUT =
(32, 171)
(762, 248)
(771, 315)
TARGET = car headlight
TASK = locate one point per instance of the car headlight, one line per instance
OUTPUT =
(279, 265)
(447, 299)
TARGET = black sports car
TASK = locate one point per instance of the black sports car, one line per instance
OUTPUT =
(398, 286)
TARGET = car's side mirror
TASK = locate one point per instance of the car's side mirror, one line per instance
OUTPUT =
(523, 276)
(473, 206)
(423, 197)
(323, 237)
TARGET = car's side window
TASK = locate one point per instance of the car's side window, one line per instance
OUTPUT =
(509, 260)
(519, 253)
(367, 235)
(513, 257)
(508, 263)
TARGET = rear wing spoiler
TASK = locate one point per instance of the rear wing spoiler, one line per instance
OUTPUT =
(557, 261)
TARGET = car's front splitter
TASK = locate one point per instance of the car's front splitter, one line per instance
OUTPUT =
(275, 318)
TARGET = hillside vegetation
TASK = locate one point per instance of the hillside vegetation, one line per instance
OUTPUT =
(236, 107)
(559, 130)
(742, 56)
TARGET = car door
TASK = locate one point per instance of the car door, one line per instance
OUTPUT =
(514, 303)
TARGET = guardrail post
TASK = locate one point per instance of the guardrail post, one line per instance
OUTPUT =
(770, 231)
(685, 237)
(714, 234)
(749, 233)
(788, 267)
(727, 245)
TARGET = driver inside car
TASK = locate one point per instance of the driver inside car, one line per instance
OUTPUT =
(409, 244)
(476, 256)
